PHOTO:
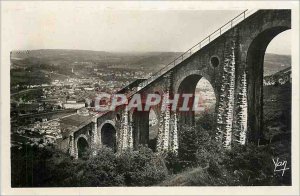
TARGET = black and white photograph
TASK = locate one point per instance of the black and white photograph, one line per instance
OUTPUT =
(100, 95)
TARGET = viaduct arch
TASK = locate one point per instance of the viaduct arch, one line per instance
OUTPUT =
(254, 66)
(82, 145)
(107, 134)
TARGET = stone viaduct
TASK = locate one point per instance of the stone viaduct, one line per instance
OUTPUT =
(231, 59)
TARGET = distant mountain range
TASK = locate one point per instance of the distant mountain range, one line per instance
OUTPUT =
(151, 61)
(99, 58)
(275, 63)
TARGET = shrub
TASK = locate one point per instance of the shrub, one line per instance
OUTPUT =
(187, 146)
(207, 121)
(101, 170)
(254, 165)
(173, 162)
(142, 167)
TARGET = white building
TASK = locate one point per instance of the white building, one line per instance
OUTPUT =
(73, 105)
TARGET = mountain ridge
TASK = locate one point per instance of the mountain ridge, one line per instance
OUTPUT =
(151, 61)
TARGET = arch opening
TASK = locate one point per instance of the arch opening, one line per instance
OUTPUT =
(108, 136)
(153, 130)
(188, 86)
(82, 146)
(140, 125)
(207, 104)
(145, 129)
(202, 90)
(257, 66)
(277, 90)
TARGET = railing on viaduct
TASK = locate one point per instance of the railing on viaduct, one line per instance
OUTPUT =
(233, 22)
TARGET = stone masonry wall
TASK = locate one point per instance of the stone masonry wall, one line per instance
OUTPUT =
(226, 103)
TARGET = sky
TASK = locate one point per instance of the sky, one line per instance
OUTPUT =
(36, 26)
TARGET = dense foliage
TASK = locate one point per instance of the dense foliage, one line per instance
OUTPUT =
(33, 167)
(200, 161)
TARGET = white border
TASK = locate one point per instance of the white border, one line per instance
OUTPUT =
(163, 5)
